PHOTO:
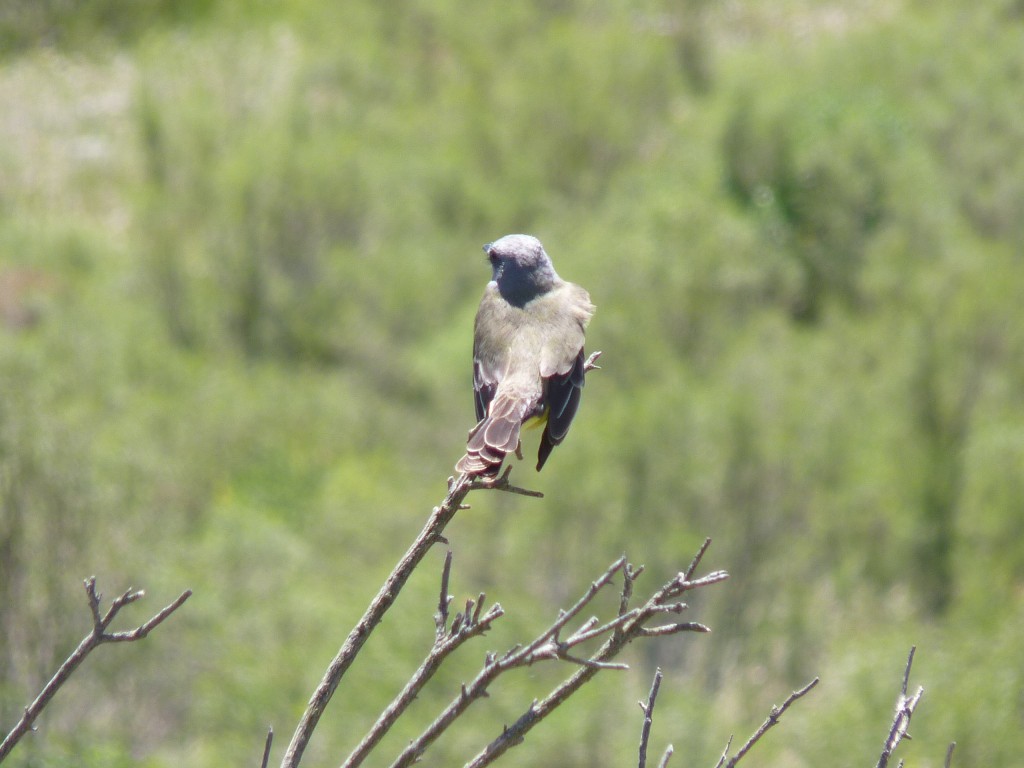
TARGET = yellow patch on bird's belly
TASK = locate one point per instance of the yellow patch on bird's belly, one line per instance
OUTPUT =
(536, 421)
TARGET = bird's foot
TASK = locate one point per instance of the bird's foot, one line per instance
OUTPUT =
(500, 482)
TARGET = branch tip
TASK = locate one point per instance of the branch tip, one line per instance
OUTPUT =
(96, 637)
(906, 672)
(774, 715)
(697, 558)
(648, 710)
(266, 747)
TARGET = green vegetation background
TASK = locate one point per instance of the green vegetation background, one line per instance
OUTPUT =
(239, 260)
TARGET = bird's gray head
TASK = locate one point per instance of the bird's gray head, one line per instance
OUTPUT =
(521, 268)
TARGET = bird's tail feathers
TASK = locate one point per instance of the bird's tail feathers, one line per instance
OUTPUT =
(496, 436)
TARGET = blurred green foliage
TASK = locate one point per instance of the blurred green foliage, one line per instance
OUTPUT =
(239, 260)
(78, 24)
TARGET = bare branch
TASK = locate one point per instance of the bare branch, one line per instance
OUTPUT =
(682, 583)
(565, 617)
(697, 558)
(629, 577)
(465, 626)
(663, 763)
(725, 754)
(622, 633)
(266, 748)
(144, 629)
(98, 636)
(672, 629)
(432, 531)
(906, 671)
(904, 711)
(949, 755)
(773, 718)
(545, 646)
(648, 710)
(566, 656)
(588, 631)
(441, 619)
(501, 483)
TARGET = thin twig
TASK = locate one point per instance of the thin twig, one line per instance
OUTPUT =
(905, 707)
(906, 671)
(671, 629)
(697, 558)
(663, 763)
(565, 617)
(949, 755)
(266, 747)
(629, 577)
(725, 753)
(542, 647)
(465, 626)
(585, 632)
(773, 718)
(444, 600)
(648, 710)
(141, 631)
(621, 635)
(566, 656)
(441, 515)
(98, 636)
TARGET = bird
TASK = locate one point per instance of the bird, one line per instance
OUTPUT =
(528, 359)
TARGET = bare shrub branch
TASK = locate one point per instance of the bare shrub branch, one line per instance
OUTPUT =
(648, 710)
(440, 516)
(266, 748)
(98, 636)
(905, 707)
(464, 626)
(773, 718)
(431, 533)
(619, 632)
(557, 642)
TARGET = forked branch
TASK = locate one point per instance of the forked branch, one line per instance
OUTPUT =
(648, 710)
(440, 516)
(557, 642)
(98, 636)
(385, 598)
(905, 706)
(772, 720)
(466, 625)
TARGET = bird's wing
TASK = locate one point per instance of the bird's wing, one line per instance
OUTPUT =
(563, 399)
(562, 367)
(546, 375)
(485, 384)
(499, 402)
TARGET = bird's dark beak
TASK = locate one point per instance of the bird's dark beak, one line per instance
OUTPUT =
(487, 248)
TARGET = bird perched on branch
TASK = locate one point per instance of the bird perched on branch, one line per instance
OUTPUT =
(528, 362)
